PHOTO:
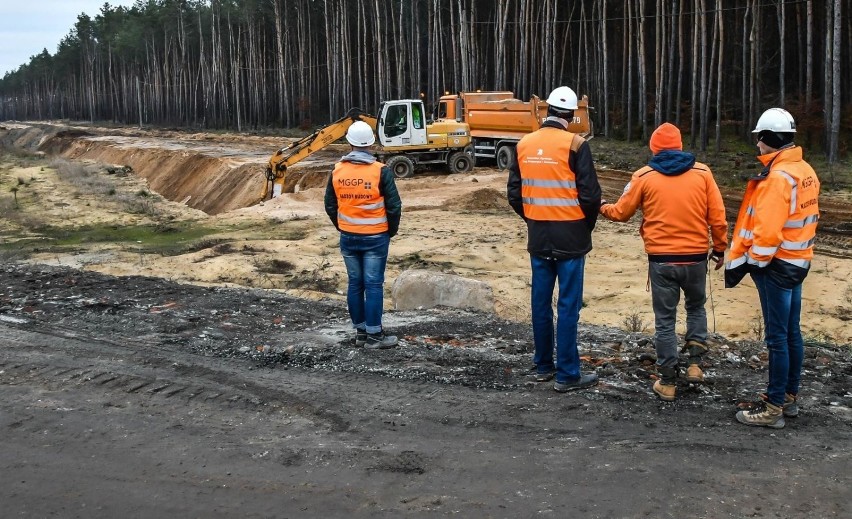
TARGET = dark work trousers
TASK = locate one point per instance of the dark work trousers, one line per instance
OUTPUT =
(667, 281)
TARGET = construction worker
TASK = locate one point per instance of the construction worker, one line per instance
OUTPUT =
(679, 200)
(362, 201)
(774, 242)
(553, 186)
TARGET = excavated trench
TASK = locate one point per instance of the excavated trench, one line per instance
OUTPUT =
(217, 173)
(187, 168)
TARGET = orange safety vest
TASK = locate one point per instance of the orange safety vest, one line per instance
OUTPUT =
(548, 185)
(360, 205)
(779, 213)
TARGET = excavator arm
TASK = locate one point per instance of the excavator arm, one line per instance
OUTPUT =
(276, 170)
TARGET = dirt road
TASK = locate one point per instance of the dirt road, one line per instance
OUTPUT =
(137, 397)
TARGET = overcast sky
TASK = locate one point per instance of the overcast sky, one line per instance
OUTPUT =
(28, 26)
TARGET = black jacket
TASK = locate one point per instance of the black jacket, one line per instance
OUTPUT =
(556, 239)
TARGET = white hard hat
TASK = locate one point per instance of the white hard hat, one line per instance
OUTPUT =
(775, 120)
(360, 134)
(562, 98)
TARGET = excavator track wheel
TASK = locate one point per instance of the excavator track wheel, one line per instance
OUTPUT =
(401, 166)
(460, 162)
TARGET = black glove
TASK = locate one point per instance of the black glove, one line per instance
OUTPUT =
(718, 258)
(735, 275)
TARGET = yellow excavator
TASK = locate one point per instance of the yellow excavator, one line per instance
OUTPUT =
(405, 140)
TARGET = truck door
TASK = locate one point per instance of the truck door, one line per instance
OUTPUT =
(402, 125)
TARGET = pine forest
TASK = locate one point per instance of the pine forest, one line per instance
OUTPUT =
(710, 66)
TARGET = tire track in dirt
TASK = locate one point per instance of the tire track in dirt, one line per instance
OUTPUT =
(24, 356)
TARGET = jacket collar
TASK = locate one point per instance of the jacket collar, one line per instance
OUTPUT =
(555, 122)
(789, 153)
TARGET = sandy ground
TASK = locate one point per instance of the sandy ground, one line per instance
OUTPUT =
(452, 223)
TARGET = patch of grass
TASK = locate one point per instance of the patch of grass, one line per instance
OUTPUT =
(634, 323)
(415, 261)
(756, 327)
(153, 239)
(85, 178)
(319, 279)
(275, 266)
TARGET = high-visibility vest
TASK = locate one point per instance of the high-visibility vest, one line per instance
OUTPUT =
(779, 213)
(548, 185)
(360, 205)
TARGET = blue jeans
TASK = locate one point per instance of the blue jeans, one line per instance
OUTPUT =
(667, 281)
(782, 308)
(365, 256)
(545, 272)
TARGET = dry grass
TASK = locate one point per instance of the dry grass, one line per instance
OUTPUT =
(86, 178)
(634, 323)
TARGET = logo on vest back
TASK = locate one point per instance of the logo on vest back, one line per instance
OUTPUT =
(350, 182)
(540, 152)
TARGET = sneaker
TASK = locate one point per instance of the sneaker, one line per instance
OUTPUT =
(790, 407)
(380, 341)
(666, 392)
(694, 374)
(360, 337)
(585, 381)
(762, 414)
(544, 377)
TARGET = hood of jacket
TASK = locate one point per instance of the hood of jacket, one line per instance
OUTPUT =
(358, 157)
(672, 162)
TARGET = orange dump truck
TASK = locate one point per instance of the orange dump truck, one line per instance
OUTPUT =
(498, 120)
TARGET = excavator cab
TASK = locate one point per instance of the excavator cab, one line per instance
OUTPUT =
(402, 123)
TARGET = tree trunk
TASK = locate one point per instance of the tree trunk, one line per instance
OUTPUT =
(719, 72)
(836, 94)
(809, 65)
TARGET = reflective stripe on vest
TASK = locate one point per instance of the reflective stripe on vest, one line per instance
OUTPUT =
(360, 206)
(548, 185)
(798, 224)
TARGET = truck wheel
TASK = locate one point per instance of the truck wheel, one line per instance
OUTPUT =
(401, 166)
(460, 162)
(505, 157)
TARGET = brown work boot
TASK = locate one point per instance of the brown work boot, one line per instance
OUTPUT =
(762, 414)
(696, 350)
(694, 374)
(666, 387)
(666, 392)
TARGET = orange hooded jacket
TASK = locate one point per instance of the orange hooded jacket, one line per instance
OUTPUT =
(679, 199)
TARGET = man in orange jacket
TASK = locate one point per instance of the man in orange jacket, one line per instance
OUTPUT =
(363, 203)
(553, 186)
(774, 242)
(679, 200)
